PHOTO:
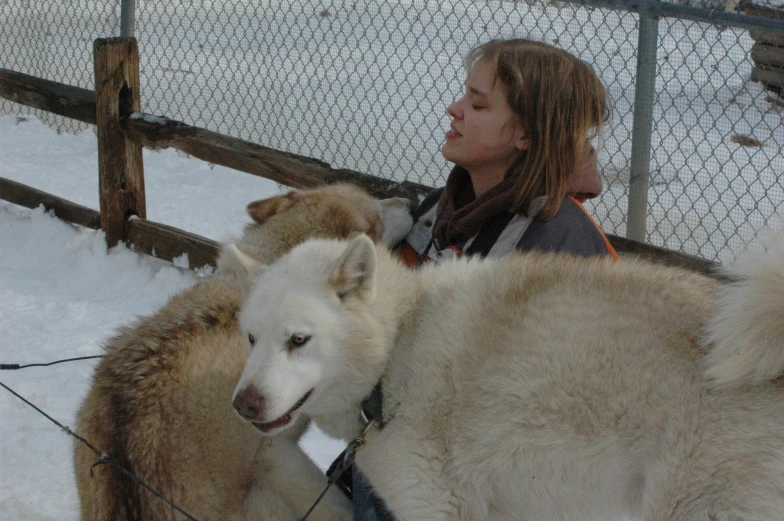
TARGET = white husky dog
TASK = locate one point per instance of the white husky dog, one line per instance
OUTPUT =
(534, 387)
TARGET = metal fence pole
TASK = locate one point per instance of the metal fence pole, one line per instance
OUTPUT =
(127, 18)
(642, 125)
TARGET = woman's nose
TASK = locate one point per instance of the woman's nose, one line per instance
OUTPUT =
(454, 109)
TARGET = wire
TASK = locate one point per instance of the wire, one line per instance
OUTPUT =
(105, 459)
(5, 367)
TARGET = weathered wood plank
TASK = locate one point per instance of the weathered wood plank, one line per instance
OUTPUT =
(765, 12)
(120, 166)
(60, 99)
(767, 38)
(768, 56)
(144, 236)
(771, 78)
(168, 243)
(292, 170)
(158, 132)
(627, 247)
(30, 197)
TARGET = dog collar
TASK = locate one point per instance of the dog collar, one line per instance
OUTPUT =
(371, 407)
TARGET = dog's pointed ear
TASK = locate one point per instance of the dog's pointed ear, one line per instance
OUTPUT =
(244, 267)
(262, 210)
(354, 273)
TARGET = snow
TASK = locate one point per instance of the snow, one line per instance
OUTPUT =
(149, 118)
(62, 294)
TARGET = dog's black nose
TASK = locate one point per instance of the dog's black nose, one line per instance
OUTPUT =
(249, 403)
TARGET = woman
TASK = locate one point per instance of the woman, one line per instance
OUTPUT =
(520, 143)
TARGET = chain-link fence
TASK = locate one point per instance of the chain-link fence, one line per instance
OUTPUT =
(364, 84)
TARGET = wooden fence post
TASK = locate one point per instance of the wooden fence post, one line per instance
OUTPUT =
(120, 164)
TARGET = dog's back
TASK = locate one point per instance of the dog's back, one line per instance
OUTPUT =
(602, 370)
(575, 389)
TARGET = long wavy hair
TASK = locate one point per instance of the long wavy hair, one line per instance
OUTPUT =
(560, 102)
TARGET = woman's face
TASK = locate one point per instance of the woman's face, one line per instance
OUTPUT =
(485, 136)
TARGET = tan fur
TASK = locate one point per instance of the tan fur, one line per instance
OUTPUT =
(160, 400)
(338, 211)
(535, 387)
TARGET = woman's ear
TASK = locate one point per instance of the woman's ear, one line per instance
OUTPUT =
(523, 143)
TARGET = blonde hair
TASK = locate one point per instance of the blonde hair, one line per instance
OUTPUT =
(560, 102)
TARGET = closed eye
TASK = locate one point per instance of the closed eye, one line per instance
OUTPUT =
(251, 339)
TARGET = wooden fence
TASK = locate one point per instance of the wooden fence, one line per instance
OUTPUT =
(123, 130)
(767, 53)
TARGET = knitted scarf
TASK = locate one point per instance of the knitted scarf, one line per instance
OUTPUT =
(461, 214)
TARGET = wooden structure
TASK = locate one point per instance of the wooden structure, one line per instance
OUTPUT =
(767, 53)
(123, 130)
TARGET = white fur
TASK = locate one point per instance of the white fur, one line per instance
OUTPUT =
(748, 330)
(535, 387)
(396, 216)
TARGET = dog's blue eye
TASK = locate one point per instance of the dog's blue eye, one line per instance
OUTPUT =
(251, 339)
(297, 340)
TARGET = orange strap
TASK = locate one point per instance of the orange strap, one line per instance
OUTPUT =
(610, 249)
(408, 255)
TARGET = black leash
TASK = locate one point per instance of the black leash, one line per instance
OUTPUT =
(343, 462)
(7, 367)
(372, 416)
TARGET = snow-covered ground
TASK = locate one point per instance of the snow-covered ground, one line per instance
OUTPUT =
(62, 294)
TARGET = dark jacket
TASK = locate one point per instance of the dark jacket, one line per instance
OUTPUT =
(571, 230)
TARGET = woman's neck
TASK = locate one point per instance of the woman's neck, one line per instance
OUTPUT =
(484, 181)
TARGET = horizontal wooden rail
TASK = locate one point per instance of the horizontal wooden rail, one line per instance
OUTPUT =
(30, 197)
(158, 132)
(167, 242)
(147, 237)
(630, 248)
(61, 99)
